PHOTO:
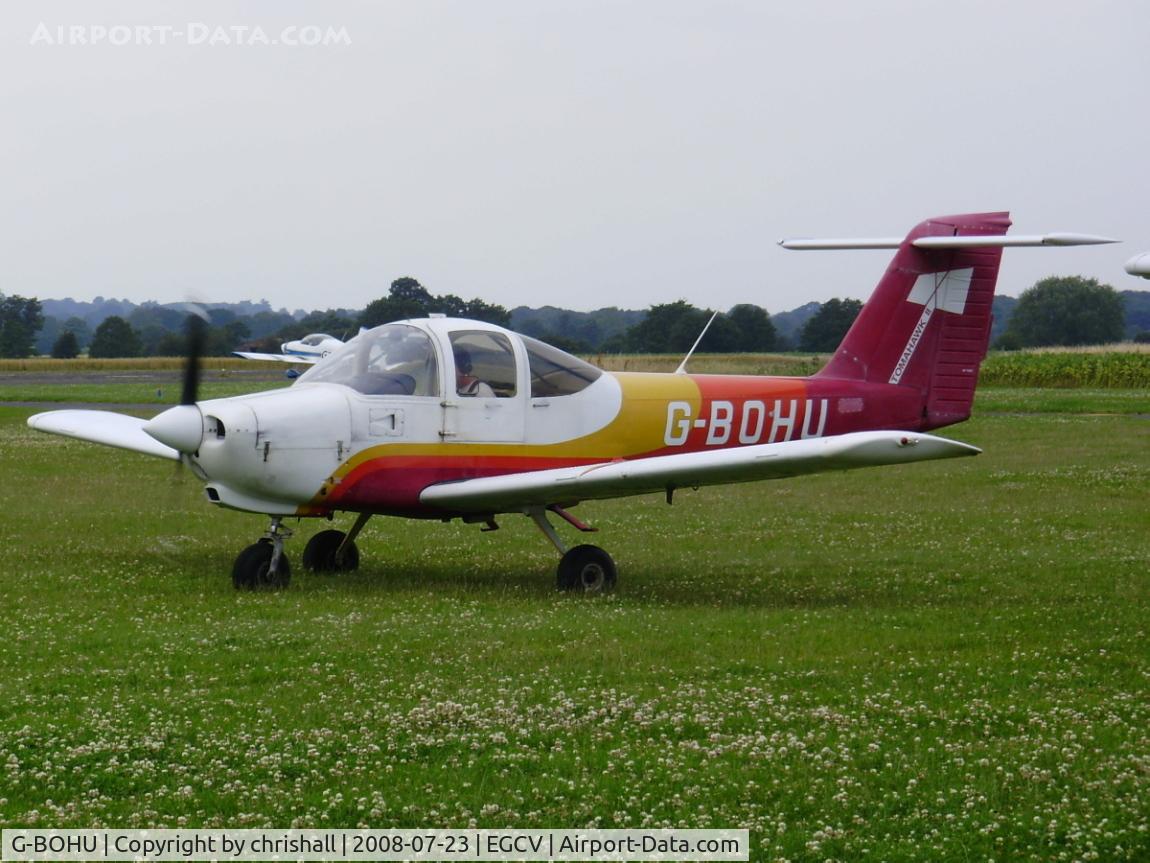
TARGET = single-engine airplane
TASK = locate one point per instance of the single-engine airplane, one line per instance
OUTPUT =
(396, 423)
(308, 350)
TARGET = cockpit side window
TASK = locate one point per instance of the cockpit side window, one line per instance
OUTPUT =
(395, 359)
(488, 359)
(555, 372)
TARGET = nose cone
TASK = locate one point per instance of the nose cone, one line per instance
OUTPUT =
(181, 428)
(1139, 265)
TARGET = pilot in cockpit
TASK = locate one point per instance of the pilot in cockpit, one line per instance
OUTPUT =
(466, 384)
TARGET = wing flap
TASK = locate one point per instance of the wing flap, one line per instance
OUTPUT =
(739, 464)
(103, 427)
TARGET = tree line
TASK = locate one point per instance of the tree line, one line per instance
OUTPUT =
(1059, 310)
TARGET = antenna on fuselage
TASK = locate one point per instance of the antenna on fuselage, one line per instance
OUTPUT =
(682, 369)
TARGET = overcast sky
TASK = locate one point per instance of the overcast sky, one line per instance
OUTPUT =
(579, 154)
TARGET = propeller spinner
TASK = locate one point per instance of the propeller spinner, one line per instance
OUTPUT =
(182, 427)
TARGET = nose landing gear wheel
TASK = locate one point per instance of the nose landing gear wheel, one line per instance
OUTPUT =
(253, 568)
(586, 569)
(320, 553)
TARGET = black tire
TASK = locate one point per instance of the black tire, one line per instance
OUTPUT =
(319, 553)
(586, 569)
(251, 571)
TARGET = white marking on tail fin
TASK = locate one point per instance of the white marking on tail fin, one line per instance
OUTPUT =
(933, 291)
(947, 290)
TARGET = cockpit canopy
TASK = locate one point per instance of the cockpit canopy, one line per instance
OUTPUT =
(405, 359)
(395, 359)
(316, 339)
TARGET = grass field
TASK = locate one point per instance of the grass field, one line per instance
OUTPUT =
(943, 661)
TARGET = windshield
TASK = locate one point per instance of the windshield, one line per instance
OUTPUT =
(395, 359)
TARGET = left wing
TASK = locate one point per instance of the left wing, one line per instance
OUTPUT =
(513, 492)
(103, 427)
(278, 358)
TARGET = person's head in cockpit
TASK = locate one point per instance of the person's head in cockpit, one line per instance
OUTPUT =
(466, 384)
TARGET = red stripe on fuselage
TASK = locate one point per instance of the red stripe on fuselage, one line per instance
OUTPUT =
(394, 482)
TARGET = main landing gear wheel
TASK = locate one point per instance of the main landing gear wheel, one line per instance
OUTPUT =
(586, 569)
(319, 555)
(253, 568)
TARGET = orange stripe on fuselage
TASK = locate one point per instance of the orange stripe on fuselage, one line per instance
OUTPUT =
(739, 410)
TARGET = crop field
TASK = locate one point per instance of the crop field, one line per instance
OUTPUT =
(943, 661)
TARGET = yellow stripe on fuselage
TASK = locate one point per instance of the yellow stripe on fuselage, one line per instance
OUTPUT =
(638, 428)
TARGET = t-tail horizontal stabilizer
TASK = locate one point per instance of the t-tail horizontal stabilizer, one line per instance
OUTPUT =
(1001, 242)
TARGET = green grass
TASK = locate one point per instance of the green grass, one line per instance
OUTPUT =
(113, 383)
(718, 364)
(942, 661)
(129, 392)
(83, 365)
(1060, 401)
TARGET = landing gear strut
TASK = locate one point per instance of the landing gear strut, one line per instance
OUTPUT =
(264, 566)
(582, 569)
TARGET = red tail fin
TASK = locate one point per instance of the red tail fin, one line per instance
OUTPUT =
(927, 325)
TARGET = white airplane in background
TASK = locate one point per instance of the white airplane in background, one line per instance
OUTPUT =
(1139, 265)
(310, 350)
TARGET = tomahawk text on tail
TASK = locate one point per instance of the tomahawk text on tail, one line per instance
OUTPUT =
(395, 421)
